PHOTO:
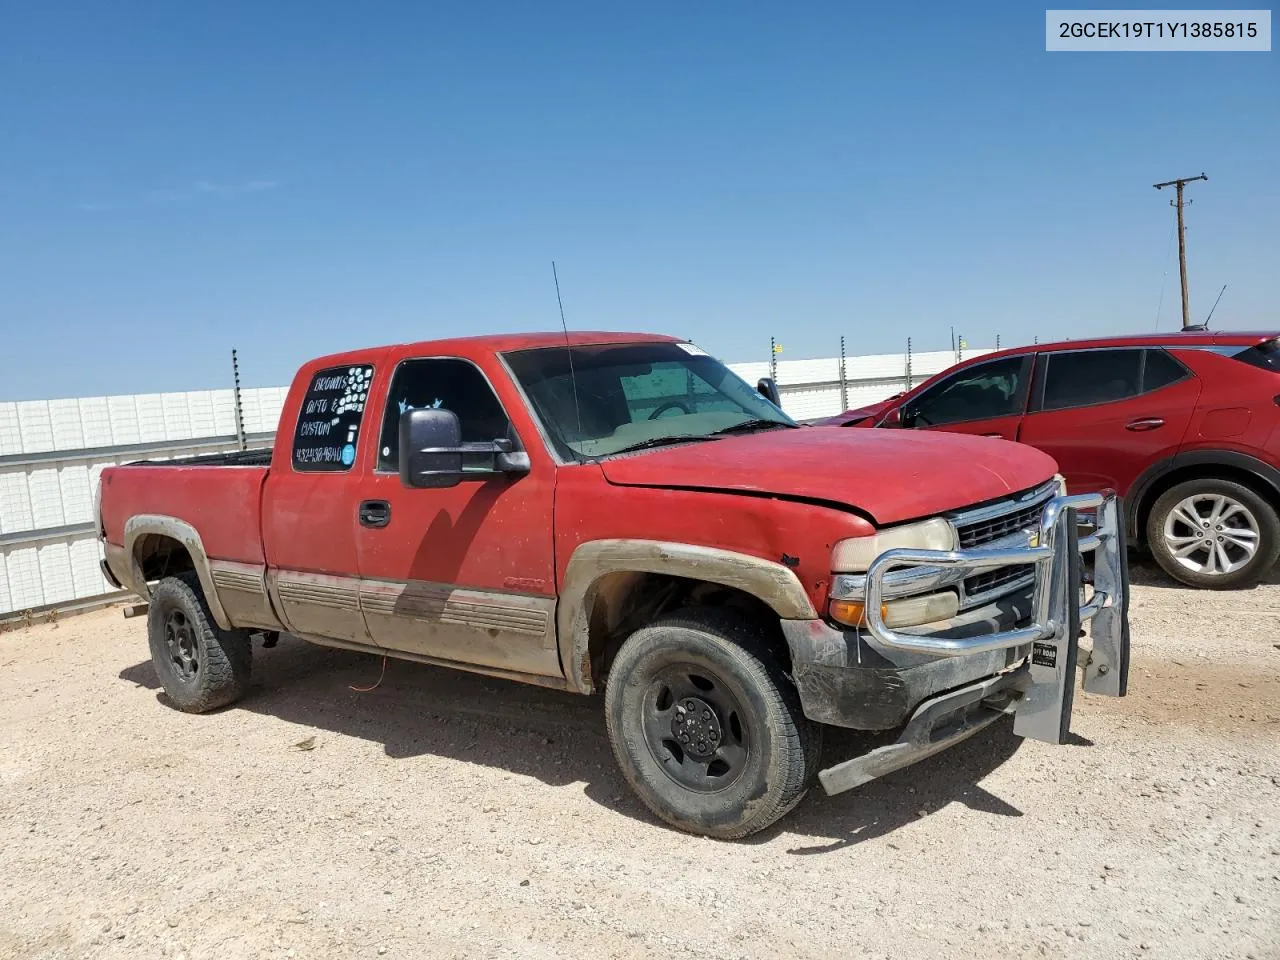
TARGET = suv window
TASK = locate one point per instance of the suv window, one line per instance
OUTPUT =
(1265, 355)
(448, 383)
(329, 421)
(988, 390)
(1159, 369)
(1082, 378)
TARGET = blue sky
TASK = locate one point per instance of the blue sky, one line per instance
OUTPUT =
(296, 178)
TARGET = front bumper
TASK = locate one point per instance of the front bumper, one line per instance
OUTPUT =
(1020, 656)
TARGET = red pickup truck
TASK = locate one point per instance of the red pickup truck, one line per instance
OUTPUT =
(620, 513)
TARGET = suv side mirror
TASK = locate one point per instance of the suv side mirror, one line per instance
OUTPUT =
(769, 390)
(893, 418)
(430, 448)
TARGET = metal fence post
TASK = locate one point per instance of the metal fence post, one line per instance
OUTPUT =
(773, 360)
(235, 372)
(908, 363)
(844, 384)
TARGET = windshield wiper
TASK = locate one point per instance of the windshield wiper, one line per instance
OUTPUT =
(746, 425)
(660, 442)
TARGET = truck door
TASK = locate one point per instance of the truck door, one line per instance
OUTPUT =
(986, 399)
(308, 509)
(463, 573)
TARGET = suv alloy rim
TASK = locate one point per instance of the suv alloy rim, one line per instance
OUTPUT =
(1212, 534)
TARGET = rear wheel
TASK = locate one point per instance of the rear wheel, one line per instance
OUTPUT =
(708, 731)
(1212, 533)
(201, 666)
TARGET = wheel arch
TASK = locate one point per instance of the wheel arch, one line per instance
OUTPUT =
(610, 585)
(156, 546)
(1259, 476)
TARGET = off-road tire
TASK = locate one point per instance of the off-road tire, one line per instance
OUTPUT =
(1264, 515)
(223, 658)
(783, 747)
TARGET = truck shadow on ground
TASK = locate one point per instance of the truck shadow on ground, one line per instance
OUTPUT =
(559, 739)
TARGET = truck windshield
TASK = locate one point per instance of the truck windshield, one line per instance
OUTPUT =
(636, 395)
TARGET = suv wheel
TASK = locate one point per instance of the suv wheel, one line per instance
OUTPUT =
(1213, 533)
(707, 729)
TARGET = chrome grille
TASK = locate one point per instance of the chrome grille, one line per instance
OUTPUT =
(990, 580)
(984, 531)
(993, 526)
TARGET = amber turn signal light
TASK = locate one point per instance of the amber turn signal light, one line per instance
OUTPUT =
(853, 613)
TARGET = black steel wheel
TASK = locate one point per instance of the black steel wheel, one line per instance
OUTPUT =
(693, 726)
(706, 727)
(201, 666)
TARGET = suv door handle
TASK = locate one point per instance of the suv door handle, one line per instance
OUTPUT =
(375, 513)
(1145, 423)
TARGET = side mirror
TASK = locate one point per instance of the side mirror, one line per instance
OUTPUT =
(769, 390)
(430, 448)
(892, 418)
(431, 451)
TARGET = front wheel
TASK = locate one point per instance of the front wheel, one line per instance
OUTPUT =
(1215, 534)
(707, 729)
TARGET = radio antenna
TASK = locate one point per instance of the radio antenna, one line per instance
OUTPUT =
(1215, 306)
(573, 380)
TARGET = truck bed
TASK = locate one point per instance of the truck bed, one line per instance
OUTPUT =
(230, 458)
(220, 495)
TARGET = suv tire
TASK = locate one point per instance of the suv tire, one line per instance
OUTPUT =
(1228, 536)
(201, 666)
(706, 726)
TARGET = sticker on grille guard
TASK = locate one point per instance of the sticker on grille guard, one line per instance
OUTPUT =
(1033, 538)
(1044, 654)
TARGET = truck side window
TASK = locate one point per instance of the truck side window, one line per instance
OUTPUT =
(1081, 378)
(982, 392)
(449, 384)
(329, 420)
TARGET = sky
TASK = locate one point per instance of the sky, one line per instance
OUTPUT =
(297, 178)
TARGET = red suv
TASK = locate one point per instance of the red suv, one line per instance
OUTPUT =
(1184, 426)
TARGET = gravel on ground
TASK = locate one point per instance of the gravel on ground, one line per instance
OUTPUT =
(449, 815)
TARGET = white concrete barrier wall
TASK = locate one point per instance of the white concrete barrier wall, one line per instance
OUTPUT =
(53, 451)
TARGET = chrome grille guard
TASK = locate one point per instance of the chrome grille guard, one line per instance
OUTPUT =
(1058, 551)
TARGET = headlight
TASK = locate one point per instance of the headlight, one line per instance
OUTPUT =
(855, 554)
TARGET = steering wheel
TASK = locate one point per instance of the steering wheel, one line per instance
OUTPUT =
(667, 406)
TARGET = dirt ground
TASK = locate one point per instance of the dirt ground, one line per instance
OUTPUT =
(446, 815)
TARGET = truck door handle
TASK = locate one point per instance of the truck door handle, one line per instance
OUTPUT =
(375, 513)
(1145, 423)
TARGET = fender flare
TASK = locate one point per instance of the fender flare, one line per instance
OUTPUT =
(145, 524)
(772, 583)
(1263, 471)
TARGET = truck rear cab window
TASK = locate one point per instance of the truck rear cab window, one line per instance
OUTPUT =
(450, 384)
(329, 421)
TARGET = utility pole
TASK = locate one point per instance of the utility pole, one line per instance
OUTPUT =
(1182, 240)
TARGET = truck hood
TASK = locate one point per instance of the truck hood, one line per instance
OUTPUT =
(892, 475)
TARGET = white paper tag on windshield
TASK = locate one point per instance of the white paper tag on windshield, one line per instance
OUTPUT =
(693, 350)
